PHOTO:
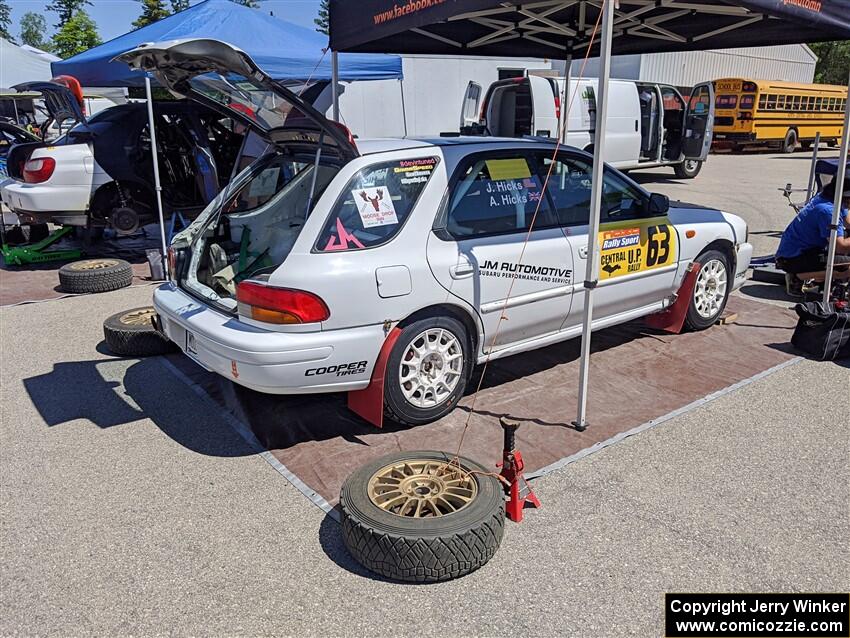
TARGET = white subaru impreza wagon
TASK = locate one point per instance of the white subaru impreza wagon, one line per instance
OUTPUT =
(292, 279)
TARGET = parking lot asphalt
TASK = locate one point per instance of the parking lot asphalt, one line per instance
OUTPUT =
(128, 506)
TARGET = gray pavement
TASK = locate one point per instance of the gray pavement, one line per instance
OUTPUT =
(129, 507)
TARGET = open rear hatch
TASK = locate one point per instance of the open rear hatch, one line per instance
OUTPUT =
(249, 229)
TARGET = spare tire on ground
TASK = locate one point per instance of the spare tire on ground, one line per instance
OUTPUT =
(95, 275)
(131, 333)
(420, 517)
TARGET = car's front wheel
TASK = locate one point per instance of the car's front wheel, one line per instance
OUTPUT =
(427, 370)
(711, 290)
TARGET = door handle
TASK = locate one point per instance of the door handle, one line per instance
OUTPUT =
(582, 252)
(636, 126)
(461, 270)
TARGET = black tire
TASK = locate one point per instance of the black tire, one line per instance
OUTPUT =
(694, 320)
(421, 550)
(789, 145)
(687, 169)
(130, 333)
(396, 405)
(95, 275)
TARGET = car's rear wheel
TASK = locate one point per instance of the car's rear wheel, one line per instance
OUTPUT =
(688, 169)
(711, 290)
(422, 516)
(427, 370)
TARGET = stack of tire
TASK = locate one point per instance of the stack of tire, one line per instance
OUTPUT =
(129, 333)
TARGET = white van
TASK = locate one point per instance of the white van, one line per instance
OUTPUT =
(649, 125)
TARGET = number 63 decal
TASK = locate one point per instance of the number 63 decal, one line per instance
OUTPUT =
(658, 249)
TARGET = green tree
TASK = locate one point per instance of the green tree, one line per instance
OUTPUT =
(33, 30)
(179, 5)
(152, 10)
(322, 22)
(75, 36)
(833, 61)
(66, 9)
(5, 21)
(254, 4)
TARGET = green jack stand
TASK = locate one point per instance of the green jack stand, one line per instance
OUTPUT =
(36, 253)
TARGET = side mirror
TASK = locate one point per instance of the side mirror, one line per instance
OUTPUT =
(658, 204)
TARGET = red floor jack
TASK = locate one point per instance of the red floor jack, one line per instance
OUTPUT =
(518, 490)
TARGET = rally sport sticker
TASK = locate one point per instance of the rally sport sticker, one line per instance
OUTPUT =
(629, 247)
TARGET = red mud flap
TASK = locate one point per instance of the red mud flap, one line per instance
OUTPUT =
(673, 318)
(368, 403)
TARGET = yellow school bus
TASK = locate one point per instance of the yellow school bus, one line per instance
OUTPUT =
(782, 114)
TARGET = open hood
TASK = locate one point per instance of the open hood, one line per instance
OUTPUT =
(226, 79)
(61, 103)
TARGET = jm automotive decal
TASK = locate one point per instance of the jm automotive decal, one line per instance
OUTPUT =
(510, 270)
(630, 247)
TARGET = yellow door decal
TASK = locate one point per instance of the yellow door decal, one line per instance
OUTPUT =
(635, 246)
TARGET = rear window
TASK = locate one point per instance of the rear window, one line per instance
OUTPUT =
(726, 101)
(375, 204)
(747, 101)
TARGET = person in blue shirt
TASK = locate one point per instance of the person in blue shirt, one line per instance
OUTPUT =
(805, 242)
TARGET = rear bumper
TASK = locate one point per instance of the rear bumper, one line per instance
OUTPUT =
(43, 199)
(265, 360)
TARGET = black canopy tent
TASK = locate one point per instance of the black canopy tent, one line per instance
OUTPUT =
(562, 28)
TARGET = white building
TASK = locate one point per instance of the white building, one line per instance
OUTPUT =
(428, 100)
(789, 63)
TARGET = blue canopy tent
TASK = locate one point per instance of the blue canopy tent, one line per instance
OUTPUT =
(283, 50)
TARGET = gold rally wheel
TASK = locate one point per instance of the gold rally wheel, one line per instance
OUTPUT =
(422, 517)
(95, 275)
(131, 333)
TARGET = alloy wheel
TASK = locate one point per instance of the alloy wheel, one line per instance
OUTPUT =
(710, 290)
(431, 367)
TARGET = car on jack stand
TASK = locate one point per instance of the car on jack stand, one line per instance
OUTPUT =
(99, 173)
(292, 279)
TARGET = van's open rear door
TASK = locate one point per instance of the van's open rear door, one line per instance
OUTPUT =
(546, 106)
(470, 105)
(699, 122)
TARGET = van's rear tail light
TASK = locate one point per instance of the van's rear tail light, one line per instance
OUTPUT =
(39, 170)
(279, 305)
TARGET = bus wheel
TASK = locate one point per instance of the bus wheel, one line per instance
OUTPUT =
(790, 143)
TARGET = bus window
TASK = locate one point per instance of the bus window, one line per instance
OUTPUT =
(726, 101)
(781, 104)
(771, 102)
(817, 104)
(796, 103)
(762, 102)
(747, 101)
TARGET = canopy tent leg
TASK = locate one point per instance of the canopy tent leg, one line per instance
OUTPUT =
(839, 193)
(335, 84)
(403, 107)
(156, 183)
(563, 123)
(810, 187)
(591, 278)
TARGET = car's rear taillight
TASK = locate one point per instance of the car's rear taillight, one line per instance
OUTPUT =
(279, 305)
(558, 108)
(172, 264)
(38, 170)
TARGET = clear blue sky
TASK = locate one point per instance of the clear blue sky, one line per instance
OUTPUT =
(114, 17)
